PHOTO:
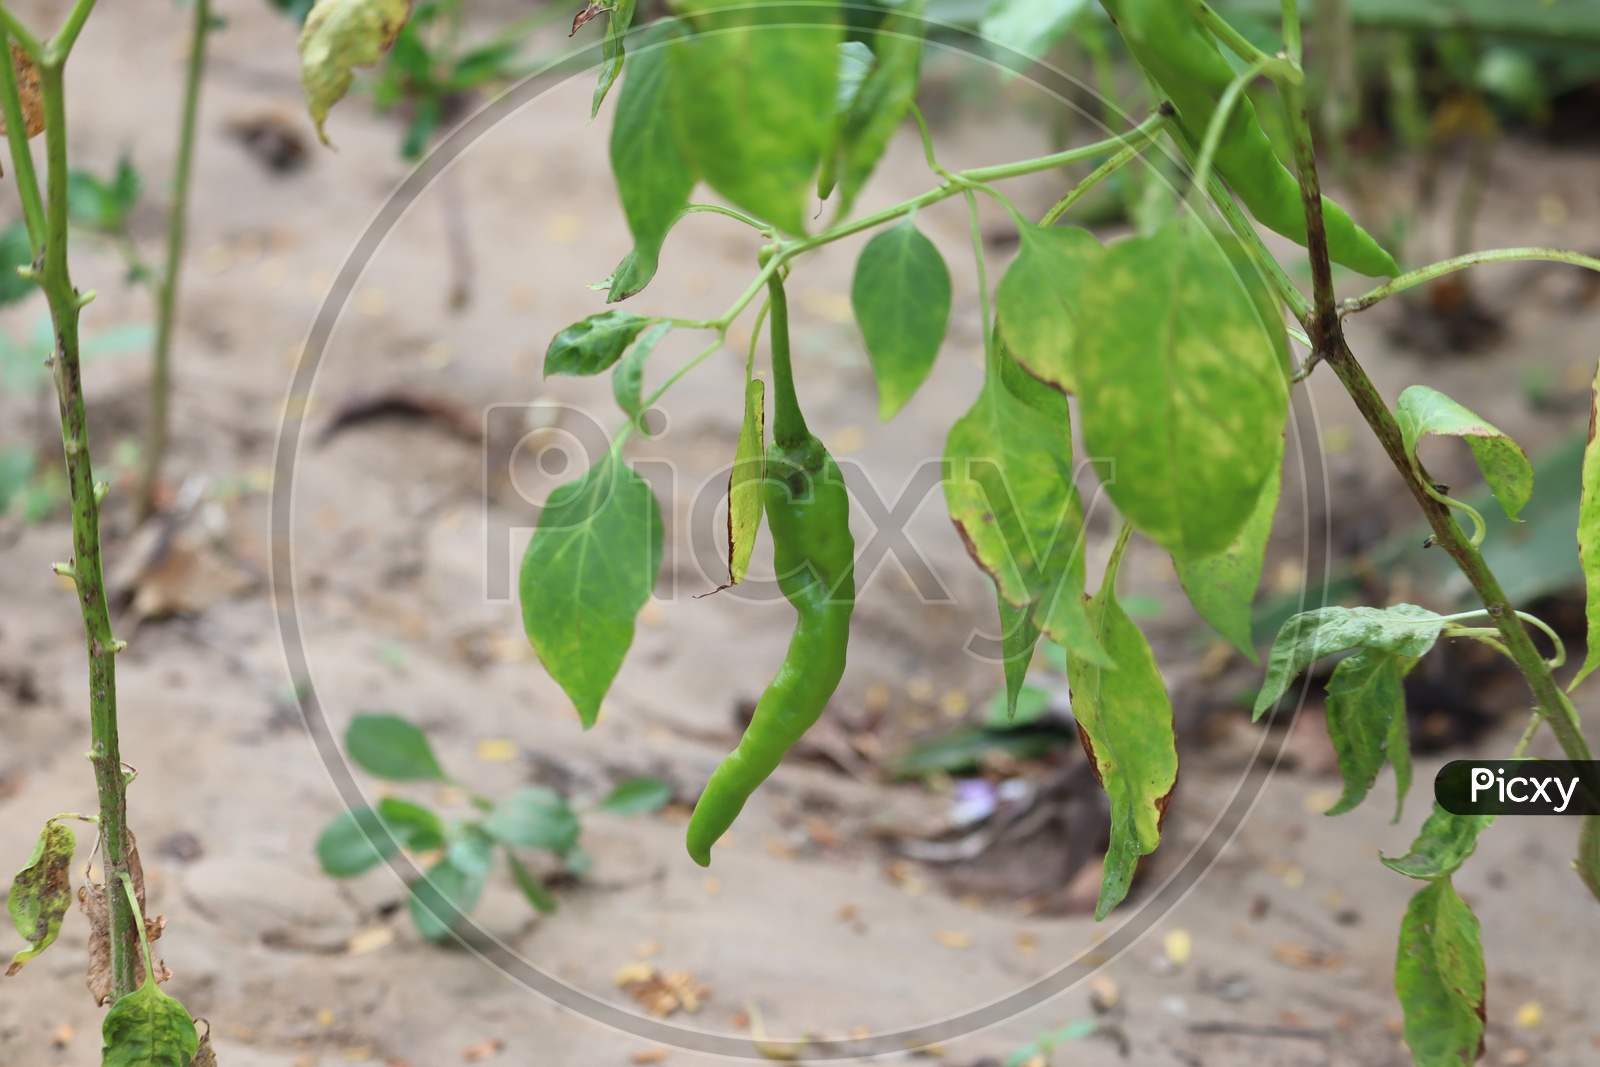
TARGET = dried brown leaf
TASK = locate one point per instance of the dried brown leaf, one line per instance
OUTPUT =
(92, 902)
(28, 89)
(204, 1056)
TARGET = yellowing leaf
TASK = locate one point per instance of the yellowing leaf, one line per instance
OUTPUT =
(42, 893)
(338, 36)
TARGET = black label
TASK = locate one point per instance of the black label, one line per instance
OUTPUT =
(1519, 787)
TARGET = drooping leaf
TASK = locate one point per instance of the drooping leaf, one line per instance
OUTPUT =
(436, 898)
(533, 890)
(42, 893)
(901, 298)
(753, 94)
(1442, 845)
(339, 36)
(1008, 487)
(745, 500)
(1028, 27)
(1181, 388)
(1365, 697)
(1404, 630)
(855, 63)
(390, 747)
(967, 746)
(1399, 746)
(627, 377)
(1439, 977)
(147, 1028)
(533, 818)
(612, 52)
(883, 100)
(1505, 466)
(1589, 535)
(1018, 636)
(653, 176)
(594, 344)
(1223, 587)
(1038, 299)
(637, 796)
(589, 568)
(1125, 722)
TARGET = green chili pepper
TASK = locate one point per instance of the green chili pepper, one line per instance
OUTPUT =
(1182, 58)
(808, 512)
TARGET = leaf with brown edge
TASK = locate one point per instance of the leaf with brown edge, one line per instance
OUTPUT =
(42, 893)
(339, 36)
(204, 1055)
(1124, 721)
(1439, 977)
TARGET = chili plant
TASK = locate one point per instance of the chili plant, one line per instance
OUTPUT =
(1172, 343)
(144, 1024)
(462, 850)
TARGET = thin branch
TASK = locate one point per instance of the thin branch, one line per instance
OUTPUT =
(1426, 274)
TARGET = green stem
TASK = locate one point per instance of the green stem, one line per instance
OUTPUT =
(789, 428)
(718, 209)
(1146, 129)
(59, 47)
(1235, 41)
(65, 304)
(1124, 156)
(24, 37)
(1528, 732)
(167, 292)
(1305, 160)
(1291, 32)
(1426, 274)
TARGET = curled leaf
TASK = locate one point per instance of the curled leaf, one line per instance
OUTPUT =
(92, 902)
(338, 36)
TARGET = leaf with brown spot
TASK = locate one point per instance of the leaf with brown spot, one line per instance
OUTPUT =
(42, 893)
(204, 1056)
(593, 10)
(339, 36)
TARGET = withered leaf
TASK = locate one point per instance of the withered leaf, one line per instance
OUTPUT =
(92, 902)
(42, 893)
(28, 89)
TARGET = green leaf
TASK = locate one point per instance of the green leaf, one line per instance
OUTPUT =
(1018, 636)
(15, 251)
(855, 63)
(1365, 696)
(1223, 587)
(1405, 630)
(147, 1028)
(1030, 27)
(1439, 977)
(613, 51)
(1125, 722)
(627, 377)
(472, 849)
(338, 36)
(533, 890)
(1589, 536)
(654, 178)
(1008, 486)
(42, 892)
(901, 297)
(593, 345)
(589, 568)
(1505, 466)
(1442, 845)
(1181, 388)
(356, 841)
(1032, 702)
(533, 818)
(968, 746)
(1037, 302)
(389, 747)
(753, 95)
(432, 897)
(637, 796)
(418, 828)
(881, 104)
(745, 500)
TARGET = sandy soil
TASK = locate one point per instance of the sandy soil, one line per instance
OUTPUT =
(807, 920)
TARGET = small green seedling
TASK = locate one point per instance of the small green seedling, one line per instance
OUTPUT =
(458, 853)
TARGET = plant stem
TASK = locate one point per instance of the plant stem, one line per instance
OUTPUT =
(24, 37)
(1443, 267)
(788, 423)
(167, 292)
(88, 574)
(17, 138)
(1235, 41)
(57, 48)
